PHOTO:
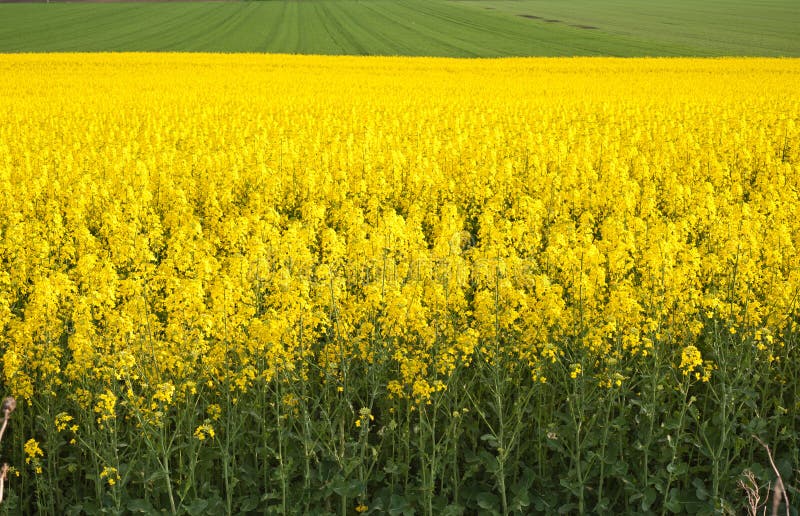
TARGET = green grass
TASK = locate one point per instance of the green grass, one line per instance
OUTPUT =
(482, 28)
(708, 27)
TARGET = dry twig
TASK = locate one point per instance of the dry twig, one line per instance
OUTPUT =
(780, 489)
(3, 476)
(753, 492)
(9, 405)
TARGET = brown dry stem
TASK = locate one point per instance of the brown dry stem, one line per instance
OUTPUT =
(9, 405)
(780, 489)
(3, 477)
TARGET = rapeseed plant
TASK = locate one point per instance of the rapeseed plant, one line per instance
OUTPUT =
(212, 262)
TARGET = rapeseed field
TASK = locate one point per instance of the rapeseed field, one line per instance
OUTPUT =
(297, 284)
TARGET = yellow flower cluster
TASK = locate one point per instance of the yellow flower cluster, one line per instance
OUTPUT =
(62, 421)
(175, 221)
(32, 450)
(692, 362)
(33, 455)
(203, 431)
(65, 422)
(106, 408)
(111, 475)
(365, 416)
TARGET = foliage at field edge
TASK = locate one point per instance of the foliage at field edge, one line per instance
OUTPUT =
(291, 284)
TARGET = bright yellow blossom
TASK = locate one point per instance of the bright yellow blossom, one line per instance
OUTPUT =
(111, 475)
(206, 430)
(211, 234)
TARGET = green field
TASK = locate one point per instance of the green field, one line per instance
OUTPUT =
(485, 28)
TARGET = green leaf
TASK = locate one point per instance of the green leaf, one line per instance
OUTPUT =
(393, 468)
(619, 469)
(399, 505)
(141, 505)
(452, 510)
(488, 501)
(273, 495)
(648, 498)
(155, 476)
(673, 503)
(574, 486)
(678, 469)
(700, 489)
(91, 507)
(249, 503)
(490, 462)
(349, 488)
(602, 506)
(520, 501)
(490, 440)
(197, 507)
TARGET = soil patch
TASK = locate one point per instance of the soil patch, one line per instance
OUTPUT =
(532, 17)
